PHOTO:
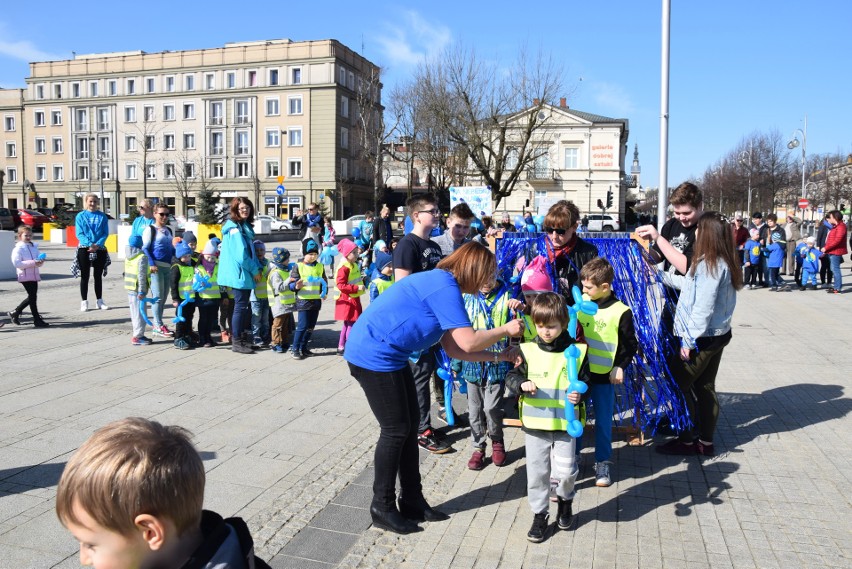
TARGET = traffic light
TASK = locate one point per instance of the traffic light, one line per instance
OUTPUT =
(600, 203)
(608, 199)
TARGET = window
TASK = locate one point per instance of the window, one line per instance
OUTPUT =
(169, 170)
(148, 113)
(252, 78)
(189, 169)
(344, 106)
(168, 112)
(344, 168)
(75, 90)
(294, 167)
(11, 150)
(294, 105)
(151, 171)
(216, 112)
(39, 91)
(272, 107)
(130, 171)
(342, 77)
(57, 91)
(82, 117)
(188, 111)
(230, 80)
(273, 137)
(273, 77)
(103, 146)
(150, 142)
(241, 143)
(344, 138)
(169, 141)
(130, 143)
(350, 76)
(56, 117)
(217, 143)
(57, 144)
(296, 76)
(11, 175)
(170, 84)
(149, 84)
(41, 173)
(82, 148)
(272, 169)
(82, 172)
(9, 123)
(511, 158)
(129, 114)
(58, 173)
(541, 166)
(572, 158)
(131, 86)
(189, 82)
(540, 195)
(103, 119)
(112, 87)
(209, 81)
(294, 137)
(217, 170)
(242, 170)
(93, 88)
(106, 172)
(39, 118)
(189, 141)
(241, 112)
(40, 146)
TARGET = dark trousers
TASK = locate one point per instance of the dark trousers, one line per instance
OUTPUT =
(304, 329)
(86, 267)
(241, 321)
(184, 329)
(750, 277)
(32, 292)
(761, 271)
(208, 309)
(422, 371)
(394, 404)
(825, 274)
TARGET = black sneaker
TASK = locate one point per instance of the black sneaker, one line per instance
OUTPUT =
(428, 441)
(564, 519)
(539, 528)
(306, 352)
(14, 317)
(441, 415)
(298, 356)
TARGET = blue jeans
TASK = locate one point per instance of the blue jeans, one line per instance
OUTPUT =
(603, 402)
(834, 261)
(241, 321)
(159, 289)
(260, 320)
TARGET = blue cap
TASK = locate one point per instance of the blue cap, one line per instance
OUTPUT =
(182, 249)
(280, 255)
(382, 260)
(135, 241)
(311, 246)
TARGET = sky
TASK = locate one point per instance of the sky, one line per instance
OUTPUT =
(737, 67)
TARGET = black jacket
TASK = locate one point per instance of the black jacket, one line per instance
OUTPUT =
(518, 375)
(217, 546)
(568, 267)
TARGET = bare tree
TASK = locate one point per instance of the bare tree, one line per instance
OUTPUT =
(188, 173)
(145, 133)
(371, 131)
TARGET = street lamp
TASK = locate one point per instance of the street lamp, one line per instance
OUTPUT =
(101, 178)
(281, 173)
(745, 160)
(719, 174)
(794, 143)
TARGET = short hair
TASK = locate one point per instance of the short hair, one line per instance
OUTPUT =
(130, 467)
(418, 201)
(562, 215)
(146, 203)
(235, 210)
(473, 265)
(771, 217)
(369, 213)
(687, 194)
(598, 271)
(548, 307)
(462, 211)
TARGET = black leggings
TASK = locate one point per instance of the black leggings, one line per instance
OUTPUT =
(32, 291)
(86, 265)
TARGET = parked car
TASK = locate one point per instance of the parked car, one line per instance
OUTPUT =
(275, 223)
(603, 222)
(7, 221)
(30, 217)
(51, 215)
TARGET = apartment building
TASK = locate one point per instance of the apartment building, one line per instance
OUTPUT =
(164, 125)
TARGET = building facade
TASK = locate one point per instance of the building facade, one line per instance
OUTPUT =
(164, 125)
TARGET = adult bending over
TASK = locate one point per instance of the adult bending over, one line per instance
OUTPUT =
(92, 231)
(408, 318)
(702, 324)
(240, 269)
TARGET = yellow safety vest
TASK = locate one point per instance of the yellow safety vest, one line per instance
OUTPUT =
(601, 331)
(499, 313)
(545, 411)
(212, 290)
(354, 279)
(382, 284)
(310, 290)
(131, 273)
(529, 329)
(185, 283)
(260, 287)
(287, 296)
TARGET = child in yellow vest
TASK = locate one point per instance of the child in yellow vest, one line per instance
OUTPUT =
(180, 280)
(210, 297)
(542, 380)
(259, 301)
(382, 276)
(311, 288)
(282, 300)
(350, 288)
(612, 343)
(136, 284)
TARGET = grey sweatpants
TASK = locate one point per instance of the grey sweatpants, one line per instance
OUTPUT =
(485, 411)
(540, 469)
(136, 320)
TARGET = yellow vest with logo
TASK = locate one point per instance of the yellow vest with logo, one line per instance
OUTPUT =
(310, 290)
(132, 268)
(287, 296)
(354, 279)
(382, 284)
(260, 291)
(545, 411)
(212, 289)
(185, 282)
(601, 331)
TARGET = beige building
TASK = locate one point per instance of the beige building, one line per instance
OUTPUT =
(164, 125)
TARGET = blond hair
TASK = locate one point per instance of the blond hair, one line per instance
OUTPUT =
(130, 467)
(473, 265)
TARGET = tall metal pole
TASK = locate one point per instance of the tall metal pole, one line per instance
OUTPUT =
(804, 151)
(662, 200)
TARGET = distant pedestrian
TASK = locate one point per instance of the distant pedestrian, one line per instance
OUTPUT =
(835, 248)
(92, 229)
(157, 243)
(27, 261)
(136, 283)
(350, 288)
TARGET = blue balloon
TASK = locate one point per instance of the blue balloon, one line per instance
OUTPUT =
(539, 220)
(575, 427)
(531, 228)
(356, 232)
(41, 257)
(519, 222)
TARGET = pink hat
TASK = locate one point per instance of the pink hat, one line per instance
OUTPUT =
(345, 246)
(535, 278)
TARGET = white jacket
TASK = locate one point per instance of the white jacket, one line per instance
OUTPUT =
(24, 257)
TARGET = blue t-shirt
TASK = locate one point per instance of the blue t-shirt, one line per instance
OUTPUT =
(408, 317)
(752, 249)
(776, 256)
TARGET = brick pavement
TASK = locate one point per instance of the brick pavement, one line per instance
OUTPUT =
(288, 446)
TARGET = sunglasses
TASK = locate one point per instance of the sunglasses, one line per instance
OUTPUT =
(161, 213)
(555, 230)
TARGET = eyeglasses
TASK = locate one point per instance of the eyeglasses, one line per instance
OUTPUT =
(161, 213)
(432, 212)
(555, 230)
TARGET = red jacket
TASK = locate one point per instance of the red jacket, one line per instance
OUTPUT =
(835, 243)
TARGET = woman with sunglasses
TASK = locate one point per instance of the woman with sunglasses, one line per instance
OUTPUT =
(565, 250)
(145, 217)
(157, 246)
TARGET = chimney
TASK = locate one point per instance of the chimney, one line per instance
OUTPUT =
(536, 102)
(563, 103)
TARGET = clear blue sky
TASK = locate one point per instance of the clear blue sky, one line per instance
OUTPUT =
(737, 67)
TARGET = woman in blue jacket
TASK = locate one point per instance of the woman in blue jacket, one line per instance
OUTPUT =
(92, 231)
(239, 269)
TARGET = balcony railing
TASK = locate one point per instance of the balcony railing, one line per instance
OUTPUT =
(537, 173)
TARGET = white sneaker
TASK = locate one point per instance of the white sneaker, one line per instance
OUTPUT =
(602, 478)
(102, 305)
(84, 306)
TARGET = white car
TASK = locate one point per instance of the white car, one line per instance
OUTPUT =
(603, 222)
(274, 223)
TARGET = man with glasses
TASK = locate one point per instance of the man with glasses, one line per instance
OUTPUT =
(740, 236)
(145, 218)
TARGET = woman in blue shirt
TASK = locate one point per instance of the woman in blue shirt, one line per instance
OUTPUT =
(92, 229)
(239, 269)
(157, 246)
(410, 317)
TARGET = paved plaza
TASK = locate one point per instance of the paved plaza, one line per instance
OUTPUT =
(288, 446)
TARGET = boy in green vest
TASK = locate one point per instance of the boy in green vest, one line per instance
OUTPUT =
(542, 380)
(282, 300)
(612, 343)
(136, 285)
(180, 280)
(210, 296)
(382, 276)
(260, 312)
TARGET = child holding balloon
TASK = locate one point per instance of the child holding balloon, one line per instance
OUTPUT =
(550, 379)
(27, 260)
(309, 283)
(136, 283)
(180, 279)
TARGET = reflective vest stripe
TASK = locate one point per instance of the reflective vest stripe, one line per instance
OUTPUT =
(354, 279)
(287, 296)
(601, 332)
(310, 290)
(212, 290)
(185, 283)
(545, 410)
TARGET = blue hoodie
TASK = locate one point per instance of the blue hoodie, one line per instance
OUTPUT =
(92, 228)
(810, 259)
(237, 260)
(776, 256)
